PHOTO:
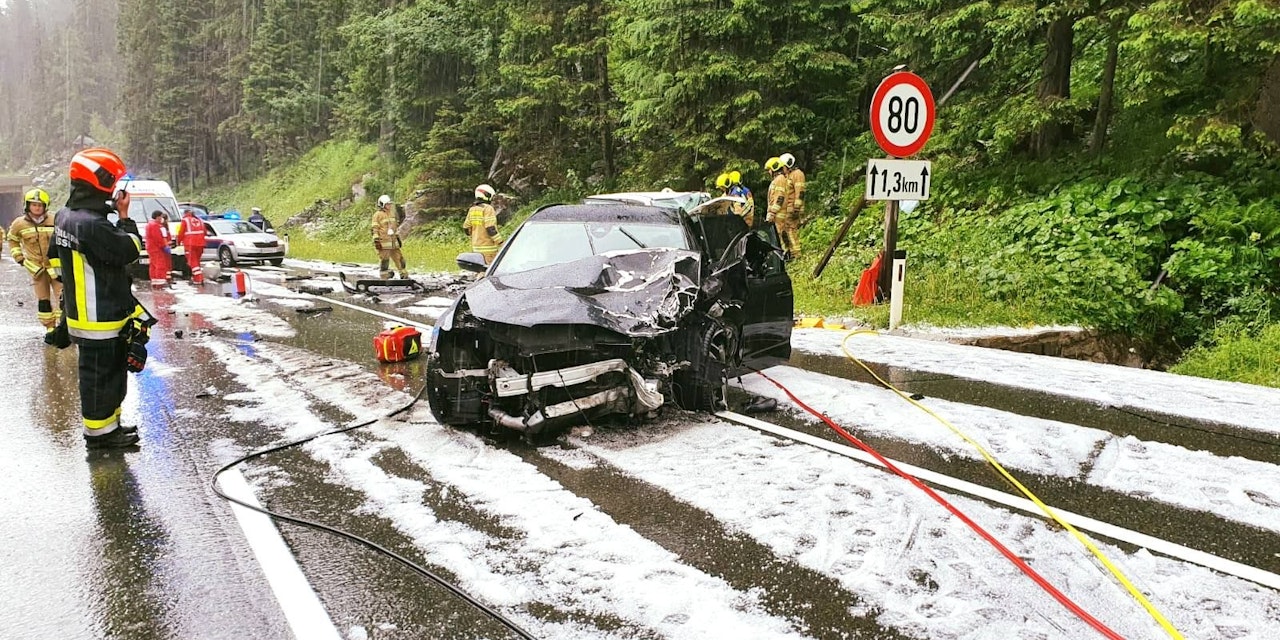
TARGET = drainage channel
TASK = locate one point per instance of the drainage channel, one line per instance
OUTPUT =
(1216, 438)
(1196, 531)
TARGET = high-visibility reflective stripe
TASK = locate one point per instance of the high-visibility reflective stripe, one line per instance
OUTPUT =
(107, 424)
(80, 272)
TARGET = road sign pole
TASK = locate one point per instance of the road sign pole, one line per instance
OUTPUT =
(885, 282)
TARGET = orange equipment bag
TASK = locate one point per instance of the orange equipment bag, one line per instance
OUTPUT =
(397, 344)
(865, 294)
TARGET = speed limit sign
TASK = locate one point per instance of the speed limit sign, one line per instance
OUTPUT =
(902, 114)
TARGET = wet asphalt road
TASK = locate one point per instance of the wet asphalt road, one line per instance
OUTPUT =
(125, 544)
(135, 544)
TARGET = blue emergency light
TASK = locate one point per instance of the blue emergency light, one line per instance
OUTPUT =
(231, 215)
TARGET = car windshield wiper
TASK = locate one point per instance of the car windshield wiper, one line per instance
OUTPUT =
(633, 238)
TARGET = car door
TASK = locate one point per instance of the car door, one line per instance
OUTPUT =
(769, 307)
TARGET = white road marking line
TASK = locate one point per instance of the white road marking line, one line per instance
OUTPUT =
(374, 313)
(301, 606)
(1083, 523)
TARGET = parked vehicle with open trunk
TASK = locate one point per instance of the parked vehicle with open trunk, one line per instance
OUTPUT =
(610, 308)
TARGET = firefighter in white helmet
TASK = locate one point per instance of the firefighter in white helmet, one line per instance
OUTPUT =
(386, 239)
(482, 224)
(29, 239)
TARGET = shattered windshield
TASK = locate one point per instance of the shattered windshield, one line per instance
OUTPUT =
(542, 244)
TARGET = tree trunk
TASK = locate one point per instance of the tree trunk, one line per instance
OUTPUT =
(1106, 95)
(1266, 116)
(1055, 81)
(606, 123)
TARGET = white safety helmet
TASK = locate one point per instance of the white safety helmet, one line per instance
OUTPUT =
(383, 200)
(484, 193)
(788, 160)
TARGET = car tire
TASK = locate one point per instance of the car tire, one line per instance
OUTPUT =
(226, 258)
(275, 262)
(705, 384)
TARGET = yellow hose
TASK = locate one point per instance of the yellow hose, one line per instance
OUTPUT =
(1097, 553)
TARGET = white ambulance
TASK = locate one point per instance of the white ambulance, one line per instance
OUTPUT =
(147, 197)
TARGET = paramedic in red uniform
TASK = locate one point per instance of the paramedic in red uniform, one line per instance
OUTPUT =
(159, 247)
(191, 235)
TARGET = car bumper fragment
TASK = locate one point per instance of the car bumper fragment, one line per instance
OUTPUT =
(639, 397)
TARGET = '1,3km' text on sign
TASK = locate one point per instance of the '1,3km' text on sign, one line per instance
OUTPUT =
(898, 179)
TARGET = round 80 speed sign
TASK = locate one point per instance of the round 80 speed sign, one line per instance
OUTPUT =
(902, 114)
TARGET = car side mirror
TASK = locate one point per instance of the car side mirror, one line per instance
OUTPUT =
(473, 262)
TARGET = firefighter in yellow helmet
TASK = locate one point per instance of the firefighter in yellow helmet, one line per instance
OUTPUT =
(29, 239)
(386, 239)
(796, 176)
(781, 201)
(482, 224)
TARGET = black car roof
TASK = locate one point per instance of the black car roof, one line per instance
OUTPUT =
(605, 213)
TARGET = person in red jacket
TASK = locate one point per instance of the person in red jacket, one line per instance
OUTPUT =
(159, 247)
(191, 235)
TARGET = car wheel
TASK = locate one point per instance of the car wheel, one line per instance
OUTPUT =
(705, 384)
(275, 262)
(225, 258)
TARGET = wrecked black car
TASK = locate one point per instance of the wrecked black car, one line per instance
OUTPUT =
(609, 308)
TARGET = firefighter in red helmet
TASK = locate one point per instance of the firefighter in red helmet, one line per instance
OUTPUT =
(29, 239)
(90, 253)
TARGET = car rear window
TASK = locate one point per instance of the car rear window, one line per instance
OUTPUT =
(542, 244)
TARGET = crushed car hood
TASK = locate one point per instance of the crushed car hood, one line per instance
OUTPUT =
(635, 293)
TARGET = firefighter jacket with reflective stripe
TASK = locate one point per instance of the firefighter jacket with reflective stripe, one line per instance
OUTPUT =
(480, 218)
(746, 210)
(385, 228)
(191, 232)
(92, 254)
(796, 177)
(30, 241)
(781, 197)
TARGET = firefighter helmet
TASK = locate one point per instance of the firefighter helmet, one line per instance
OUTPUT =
(484, 193)
(735, 178)
(773, 164)
(723, 181)
(788, 160)
(99, 168)
(383, 200)
(37, 195)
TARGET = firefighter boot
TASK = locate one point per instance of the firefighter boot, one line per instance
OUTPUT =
(115, 440)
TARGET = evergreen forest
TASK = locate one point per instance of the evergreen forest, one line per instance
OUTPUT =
(1112, 163)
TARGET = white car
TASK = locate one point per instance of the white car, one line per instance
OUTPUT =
(231, 242)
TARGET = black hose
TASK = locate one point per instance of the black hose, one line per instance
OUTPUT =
(426, 573)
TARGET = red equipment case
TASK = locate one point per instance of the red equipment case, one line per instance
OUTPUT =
(397, 344)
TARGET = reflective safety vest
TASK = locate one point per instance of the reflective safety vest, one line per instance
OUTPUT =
(384, 228)
(191, 232)
(31, 241)
(480, 218)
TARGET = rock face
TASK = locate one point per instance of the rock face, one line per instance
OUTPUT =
(1077, 344)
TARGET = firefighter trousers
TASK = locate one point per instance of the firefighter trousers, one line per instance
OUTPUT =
(103, 383)
(789, 235)
(48, 297)
(388, 257)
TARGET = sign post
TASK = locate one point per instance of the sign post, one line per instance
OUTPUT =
(902, 115)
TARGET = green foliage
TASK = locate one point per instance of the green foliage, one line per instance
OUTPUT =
(1236, 354)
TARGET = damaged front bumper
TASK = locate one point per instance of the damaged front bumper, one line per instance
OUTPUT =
(521, 401)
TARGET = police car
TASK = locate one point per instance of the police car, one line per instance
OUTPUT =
(232, 241)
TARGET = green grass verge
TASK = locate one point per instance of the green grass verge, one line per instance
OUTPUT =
(1239, 358)
(420, 255)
